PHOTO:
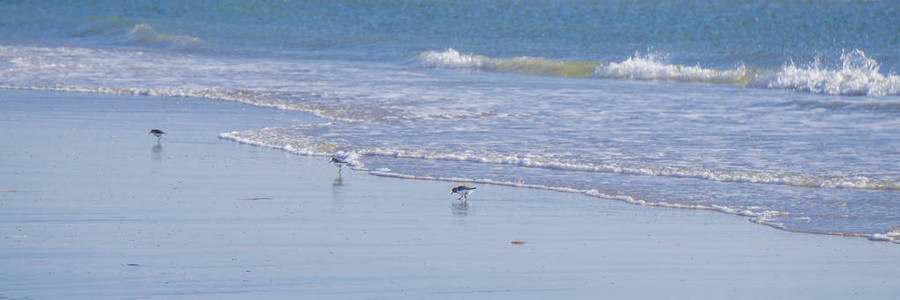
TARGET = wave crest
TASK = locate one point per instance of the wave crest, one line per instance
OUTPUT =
(130, 31)
(452, 59)
(858, 76)
(146, 34)
(652, 67)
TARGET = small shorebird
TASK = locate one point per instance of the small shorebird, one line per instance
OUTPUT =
(463, 192)
(158, 133)
(339, 162)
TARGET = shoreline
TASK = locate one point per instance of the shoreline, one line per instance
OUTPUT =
(755, 218)
(98, 211)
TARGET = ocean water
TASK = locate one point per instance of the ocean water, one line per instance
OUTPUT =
(787, 112)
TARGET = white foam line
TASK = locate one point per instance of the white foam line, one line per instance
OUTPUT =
(205, 93)
(853, 182)
(531, 161)
(893, 235)
(592, 192)
(239, 136)
(761, 218)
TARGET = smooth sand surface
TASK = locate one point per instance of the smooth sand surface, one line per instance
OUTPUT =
(93, 208)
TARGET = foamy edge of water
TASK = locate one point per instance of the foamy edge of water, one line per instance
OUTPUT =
(592, 192)
(532, 161)
(765, 217)
(241, 96)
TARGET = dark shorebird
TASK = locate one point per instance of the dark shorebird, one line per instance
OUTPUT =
(339, 162)
(463, 192)
(158, 133)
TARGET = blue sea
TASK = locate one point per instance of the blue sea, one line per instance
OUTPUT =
(785, 112)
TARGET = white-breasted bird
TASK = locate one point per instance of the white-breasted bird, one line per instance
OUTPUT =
(463, 192)
(339, 162)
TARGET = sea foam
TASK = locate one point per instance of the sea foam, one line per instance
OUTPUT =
(859, 75)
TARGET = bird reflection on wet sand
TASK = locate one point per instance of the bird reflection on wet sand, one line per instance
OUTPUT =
(459, 208)
(156, 152)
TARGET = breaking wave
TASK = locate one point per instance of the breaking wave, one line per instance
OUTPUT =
(524, 65)
(136, 33)
(146, 34)
(652, 67)
(859, 74)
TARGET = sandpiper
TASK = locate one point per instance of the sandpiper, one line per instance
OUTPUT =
(463, 192)
(158, 133)
(339, 162)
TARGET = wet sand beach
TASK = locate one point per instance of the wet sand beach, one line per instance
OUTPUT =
(93, 208)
